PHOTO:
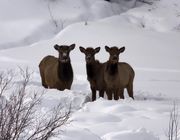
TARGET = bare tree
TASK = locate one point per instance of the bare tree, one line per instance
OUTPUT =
(54, 21)
(58, 23)
(173, 128)
(19, 114)
(85, 18)
(62, 23)
(5, 80)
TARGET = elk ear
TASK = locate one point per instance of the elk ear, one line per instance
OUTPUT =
(83, 50)
(107, 48)
(56, 47)
(72, 46)
(97, 49)
(122, 49)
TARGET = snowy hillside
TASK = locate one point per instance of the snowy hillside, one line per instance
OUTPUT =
(151, 35)
(25, 22)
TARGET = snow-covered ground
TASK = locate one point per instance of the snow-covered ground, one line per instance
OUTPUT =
(151, 35)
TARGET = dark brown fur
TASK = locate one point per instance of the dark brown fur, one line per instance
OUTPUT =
(95, 71)
(57, 72)
(118, 75)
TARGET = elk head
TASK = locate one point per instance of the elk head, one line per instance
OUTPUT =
(114, 53)
(64, 51)
(89, 53)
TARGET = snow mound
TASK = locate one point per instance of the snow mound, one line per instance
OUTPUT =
(79, 134)
(139, 134)
(103, 9)
(161, 16)
(123, 119)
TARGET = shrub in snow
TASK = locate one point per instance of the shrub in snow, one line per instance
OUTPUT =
(95, 71)
(57, 72)
(174, 129)
(118, 75)
(20, 118)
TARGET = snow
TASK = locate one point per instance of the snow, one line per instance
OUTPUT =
(140, 134)
(157, 17)
(150, 34)
(112, 119)
(28, 22)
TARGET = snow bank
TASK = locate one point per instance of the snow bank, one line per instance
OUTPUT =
(140, 134)
(79, 134)
(162, 16)
(123, 119)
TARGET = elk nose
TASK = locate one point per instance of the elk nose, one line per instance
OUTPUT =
(65, 56)
(88, 57)
(115, 58)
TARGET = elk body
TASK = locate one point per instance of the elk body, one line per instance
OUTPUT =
(118, 75)
(95, 71)
(57, 72)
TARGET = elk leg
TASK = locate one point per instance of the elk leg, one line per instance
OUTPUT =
(109, 94)
(116, 95)
(43, 80)
(130, 90)
(101, 93)
(93, 93)
(44, 85)
(121, 93)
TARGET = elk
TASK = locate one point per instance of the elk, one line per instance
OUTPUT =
(55, 72)
(95, 71)
(118, 75)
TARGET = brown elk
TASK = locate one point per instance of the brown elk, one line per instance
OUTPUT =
(95, 71)
(118, 75)
(57, 72)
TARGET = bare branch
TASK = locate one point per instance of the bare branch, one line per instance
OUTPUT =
(173, 127)
(18, 114)
(51, 16)
(5, 80)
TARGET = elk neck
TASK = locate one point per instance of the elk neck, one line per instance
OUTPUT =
(91, 70)
(112, 68)
(65, 71)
